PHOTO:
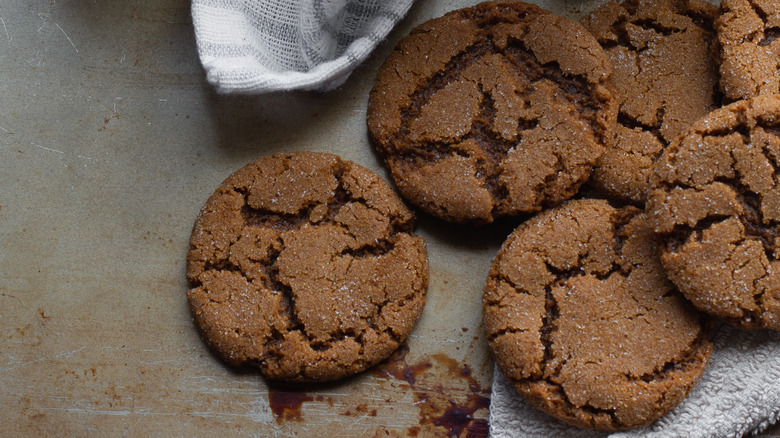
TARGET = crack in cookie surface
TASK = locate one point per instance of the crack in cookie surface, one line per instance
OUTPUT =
(314, 264)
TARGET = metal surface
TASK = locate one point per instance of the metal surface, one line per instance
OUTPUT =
(110, 141)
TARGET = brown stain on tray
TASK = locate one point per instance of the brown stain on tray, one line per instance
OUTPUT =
(396, 366)
(286, 403)
(449, 399)
(437, 381)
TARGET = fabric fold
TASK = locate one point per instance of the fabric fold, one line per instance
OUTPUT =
(258, 46)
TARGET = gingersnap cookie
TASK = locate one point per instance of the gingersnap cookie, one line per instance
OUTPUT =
(582, 321)
(490, 111)
(305, 266)
(750, 52)
(716, 208)
(666, 75)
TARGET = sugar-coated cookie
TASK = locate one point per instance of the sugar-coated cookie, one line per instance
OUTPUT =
(716, 207)
(305, 266)
(583, 322)
(494, 110)
(750, 51)
(666, 75)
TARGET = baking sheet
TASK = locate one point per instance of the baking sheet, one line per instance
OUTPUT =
(110, 141)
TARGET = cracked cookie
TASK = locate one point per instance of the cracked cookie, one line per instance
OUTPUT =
(305, 266)
(666, 75)
(495, 110)
(716, 208)
(582, 321)
(750, 51)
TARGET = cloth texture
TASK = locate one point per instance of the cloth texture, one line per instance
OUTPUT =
(256, 46)
(738, 393)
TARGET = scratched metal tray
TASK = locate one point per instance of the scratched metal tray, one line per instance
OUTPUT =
(110, 141)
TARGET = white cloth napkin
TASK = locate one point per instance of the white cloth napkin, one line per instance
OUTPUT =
(738, 393)
(256, 46)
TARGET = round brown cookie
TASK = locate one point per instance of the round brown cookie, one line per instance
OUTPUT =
(305, 266)
(716, 208)
(666, 75)
(750, 51)
(493, 110)
(581, 319)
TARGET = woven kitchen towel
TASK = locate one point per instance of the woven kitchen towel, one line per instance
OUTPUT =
(256, 46)
(738, 393)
